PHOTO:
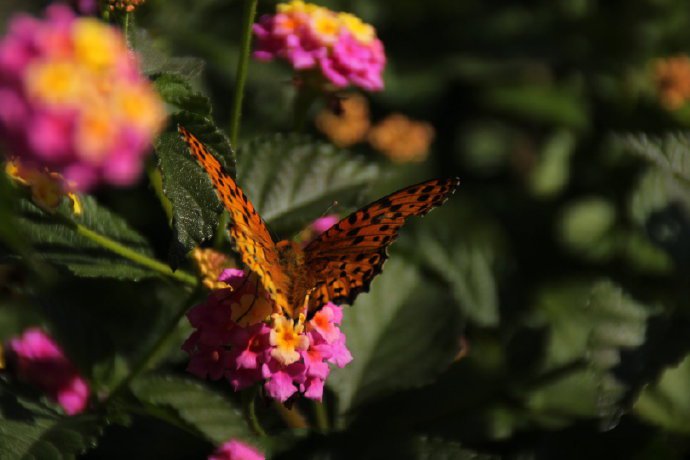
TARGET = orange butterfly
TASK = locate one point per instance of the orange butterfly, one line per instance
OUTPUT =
(338, 264)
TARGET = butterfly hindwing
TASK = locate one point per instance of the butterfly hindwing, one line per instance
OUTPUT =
(252, 238)
(347, 257)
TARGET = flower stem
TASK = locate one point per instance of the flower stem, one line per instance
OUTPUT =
(241, 72)
(251, 415)
(132, 255)
(238, 95)
(321, 417)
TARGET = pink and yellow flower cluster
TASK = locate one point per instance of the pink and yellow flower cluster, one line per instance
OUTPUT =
(72, 99)
(343, 47)
(239, 336)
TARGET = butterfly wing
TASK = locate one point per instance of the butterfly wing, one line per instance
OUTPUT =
(346, 258)
(252, 238)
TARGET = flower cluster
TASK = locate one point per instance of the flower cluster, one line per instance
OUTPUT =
(124, 5)
(72, 99)
(211, 264)
(340, 45)
(239, 336)
(401, 139)
(40, 362)
(350, 125)
(672, 76)
(398, 137)
(236, 450)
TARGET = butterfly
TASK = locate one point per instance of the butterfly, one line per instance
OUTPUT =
(337, 265)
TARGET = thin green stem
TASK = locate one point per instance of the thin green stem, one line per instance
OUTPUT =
(160, 344)
(251, 415)
(242, 66)
(321, 417)
(238, 95)
(126, 25)
(132, 255)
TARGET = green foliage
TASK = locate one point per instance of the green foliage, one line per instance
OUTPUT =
(401, 334)
(33, 431)
(543, 312)
(57, 239)
(206, 411)
(292, 179)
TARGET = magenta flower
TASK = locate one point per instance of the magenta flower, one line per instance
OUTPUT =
(312, 38)
(288, 357)
(42, 363)
(72, 99)
(236, 450)
(322, 224)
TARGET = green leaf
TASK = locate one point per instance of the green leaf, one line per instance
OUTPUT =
(107, 326)
(401, 335)
(293, 179)
(59, 242)
(207, 411)
(670, 153)
(467, 265)
(551, 105)
(32, 431)
(154, 61)
(618, 324)
(176, 91)
(552, 171)
(586, 228)
(194, 203)
(9, 233)
(667, 402)
(660, 205)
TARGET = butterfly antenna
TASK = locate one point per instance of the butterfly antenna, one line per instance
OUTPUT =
(330, 208)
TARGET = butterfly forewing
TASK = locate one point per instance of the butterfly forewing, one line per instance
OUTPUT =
(350, 254)
(248, 230)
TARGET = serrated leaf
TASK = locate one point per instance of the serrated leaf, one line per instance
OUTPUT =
(293, 179)
(194, 203)
(660, 205)
(401, 335)
(467, 267)
(60, 243)
(619, 324)
(207, 411)
(154, 61)
(176, 91)
(670, 153)
(667, 402)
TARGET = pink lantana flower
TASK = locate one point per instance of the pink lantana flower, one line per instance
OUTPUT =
(341, 46)
(289, 357)
(236, 450)
(41, 362)
(72, 99)
(322, 224)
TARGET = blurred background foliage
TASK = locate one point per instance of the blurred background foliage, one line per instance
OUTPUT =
(543, 312)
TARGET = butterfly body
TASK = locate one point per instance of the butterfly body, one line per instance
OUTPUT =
(337, 265)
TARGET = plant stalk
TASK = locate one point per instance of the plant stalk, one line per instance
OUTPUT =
(238, 95)
(132, 255)
(241, 72)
